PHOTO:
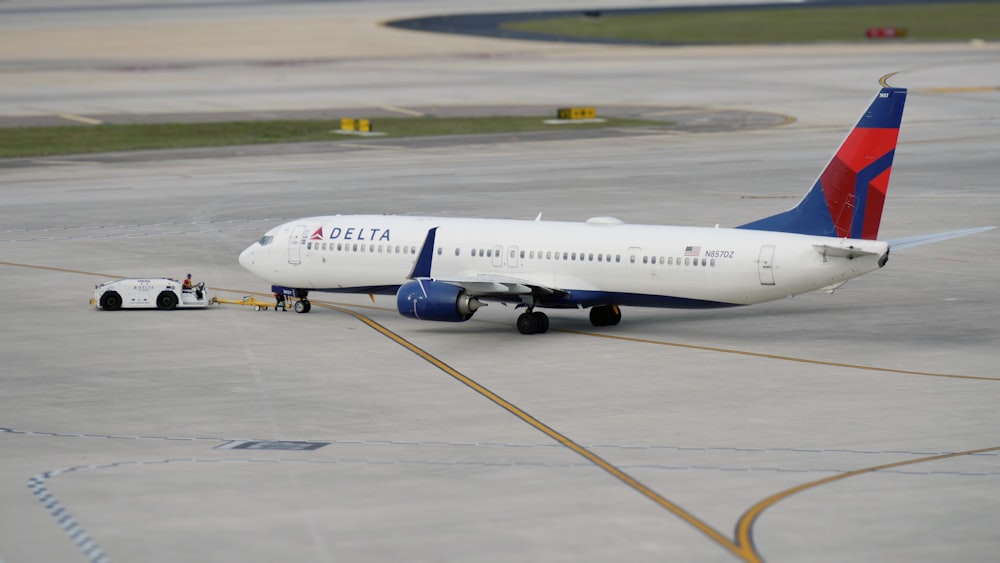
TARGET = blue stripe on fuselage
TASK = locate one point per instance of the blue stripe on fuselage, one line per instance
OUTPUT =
(572, 299)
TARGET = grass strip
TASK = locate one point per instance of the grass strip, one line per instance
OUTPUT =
(19, 142)
(802, 24)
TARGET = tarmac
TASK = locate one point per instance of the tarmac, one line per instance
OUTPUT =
(854, 426)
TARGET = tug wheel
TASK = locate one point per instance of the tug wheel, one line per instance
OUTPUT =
(166, 300)
(111, 301)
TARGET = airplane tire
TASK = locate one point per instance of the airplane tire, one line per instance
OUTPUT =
(599, 315)
(303, 306)
(111, 301)
(166, 300)
(605, 315)
(615, 315)
(543, 322)
(527, 323)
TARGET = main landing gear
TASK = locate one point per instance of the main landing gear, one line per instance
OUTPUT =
(532, 322)
(605, 315)
(535, 322)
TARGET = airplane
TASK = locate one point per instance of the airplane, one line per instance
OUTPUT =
(445, 269)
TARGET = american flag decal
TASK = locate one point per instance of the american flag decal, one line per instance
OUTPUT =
(692, 251)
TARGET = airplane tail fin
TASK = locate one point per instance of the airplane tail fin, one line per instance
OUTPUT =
(846, 200)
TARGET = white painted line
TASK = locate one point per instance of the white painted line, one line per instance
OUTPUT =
(80, 119)
(572, 121)
(404, 111)
(359, 133)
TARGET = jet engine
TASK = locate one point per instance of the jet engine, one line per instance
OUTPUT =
(429, 300)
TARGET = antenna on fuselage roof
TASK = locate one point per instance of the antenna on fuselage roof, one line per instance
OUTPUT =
(539, 218)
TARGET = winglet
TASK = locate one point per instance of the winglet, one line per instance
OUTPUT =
(422, 268)
(846, 200)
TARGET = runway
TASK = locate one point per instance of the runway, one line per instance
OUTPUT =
(859, 425)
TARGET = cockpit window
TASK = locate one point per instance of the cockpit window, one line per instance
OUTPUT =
(265, 240)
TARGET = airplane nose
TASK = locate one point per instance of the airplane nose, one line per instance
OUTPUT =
(247, 257)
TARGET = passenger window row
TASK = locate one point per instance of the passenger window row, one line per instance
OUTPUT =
(591, 257)
(355, 247)
(524, 255)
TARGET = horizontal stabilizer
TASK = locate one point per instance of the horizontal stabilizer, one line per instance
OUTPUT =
(917, 240)
(842, 252)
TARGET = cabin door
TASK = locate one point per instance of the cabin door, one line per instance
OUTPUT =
(765, 265)
(295, 244)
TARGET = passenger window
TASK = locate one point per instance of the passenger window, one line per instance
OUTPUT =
(712, 263)
(573, 256)
(687, 261)
(631, 259)
(440, 250)
(645, 259)
(522, 254)
(548, 255)
(600, 257)
(482, 253)
(618, 258)
(458, 252)
(309, 246)
(565, 255)
(704, 262)
(670, 261)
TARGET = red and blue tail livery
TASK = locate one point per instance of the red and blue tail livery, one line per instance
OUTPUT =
(846, 200)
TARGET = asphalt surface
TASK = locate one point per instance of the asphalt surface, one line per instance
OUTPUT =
(859, 425)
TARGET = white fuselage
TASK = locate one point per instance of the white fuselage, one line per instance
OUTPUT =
(598, 262)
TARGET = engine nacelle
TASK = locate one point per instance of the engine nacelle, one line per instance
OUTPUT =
(428, 300)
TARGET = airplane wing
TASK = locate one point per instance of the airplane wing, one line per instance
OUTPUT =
(907, 242)
(478, 284)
